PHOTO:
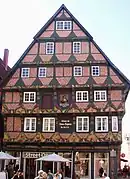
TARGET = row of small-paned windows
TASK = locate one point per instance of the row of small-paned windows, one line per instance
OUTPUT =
(50, 47)
(81, 96)
(82, 124)
(78, 71)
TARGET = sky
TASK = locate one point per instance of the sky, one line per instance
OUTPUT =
(106, 20)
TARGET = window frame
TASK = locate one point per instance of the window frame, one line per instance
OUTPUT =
(29, 97)
(93, 70)
(64, 25)
(113, 118)
(49, 118)
(48, 53)
(30, 125)
(81, 96)
(39, 71)
(101, 117)
(22, 72)
(83, 117)
(100, 91)
(76, 48)
(81, 70)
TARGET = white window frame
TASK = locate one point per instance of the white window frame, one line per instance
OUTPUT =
(96, 126)
(29, 101)
(49, 118)
(100, 93)
(83, 117)
(95, 70)
(114, 120)
(22, 72)
(64, 25)
(30, 126)
(76, 46)
(80, 67)
(82, 95)
(51, 50)
(41, 68)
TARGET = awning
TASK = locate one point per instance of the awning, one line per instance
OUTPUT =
(124, 160)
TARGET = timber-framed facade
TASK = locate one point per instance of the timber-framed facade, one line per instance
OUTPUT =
(64, 95)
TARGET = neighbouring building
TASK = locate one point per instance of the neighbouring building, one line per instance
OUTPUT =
(4, 70)
(64, 95)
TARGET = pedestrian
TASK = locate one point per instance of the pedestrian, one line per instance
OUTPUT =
(105, 176)
(41, 175)
(49, 175)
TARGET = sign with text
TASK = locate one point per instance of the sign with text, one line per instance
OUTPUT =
(65, 125)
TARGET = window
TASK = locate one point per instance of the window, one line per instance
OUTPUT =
(82, 124)
(25, 72)
(101, 124)
(114, 124)
(29, 97)
(77, 71)
(49, 47)
(63, 25)
(95, 71)
(48, 124)
(30, 124)
(100, 96)
(76, 47)
(81, 96)
(42, 72)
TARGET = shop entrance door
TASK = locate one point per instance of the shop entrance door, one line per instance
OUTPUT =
(30, 168)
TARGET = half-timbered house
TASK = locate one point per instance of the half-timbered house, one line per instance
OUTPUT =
(64, 95)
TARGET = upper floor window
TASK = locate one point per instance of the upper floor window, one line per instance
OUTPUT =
(81, 96)
(48, 124)
(76, 47)
(30, 124)
(49, 47)
(42, 72)
(100, 96)
(63, 25)
(25, 72)
(95, 71)
(114, 124)
(82, 124)
(101, 124)
(29, 97)
(77, 71)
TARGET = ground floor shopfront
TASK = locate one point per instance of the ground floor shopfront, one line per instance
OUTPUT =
(85, 162)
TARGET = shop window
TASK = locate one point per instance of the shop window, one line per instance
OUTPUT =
(101, 164)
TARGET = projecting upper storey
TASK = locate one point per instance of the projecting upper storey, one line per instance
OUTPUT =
(64, 54)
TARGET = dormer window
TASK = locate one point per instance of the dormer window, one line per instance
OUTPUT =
(63, 25)
(25, 72)
(50, 48)
(95, 71)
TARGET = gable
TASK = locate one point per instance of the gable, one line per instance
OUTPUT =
(90, 54)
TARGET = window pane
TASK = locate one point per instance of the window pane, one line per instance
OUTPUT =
(52, 124)
(104, 124)
(103, 95)
(27, 124)
(79, 96)
(98, 124)
(67, 25)
(26, 96)
(59, 25)
(31, 96)
(79, 124)
(85, 123)
(85, 96)
(97, 95)
(46, 124)
(33, 124)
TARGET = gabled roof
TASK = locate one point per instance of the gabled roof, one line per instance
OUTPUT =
(83, 29)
